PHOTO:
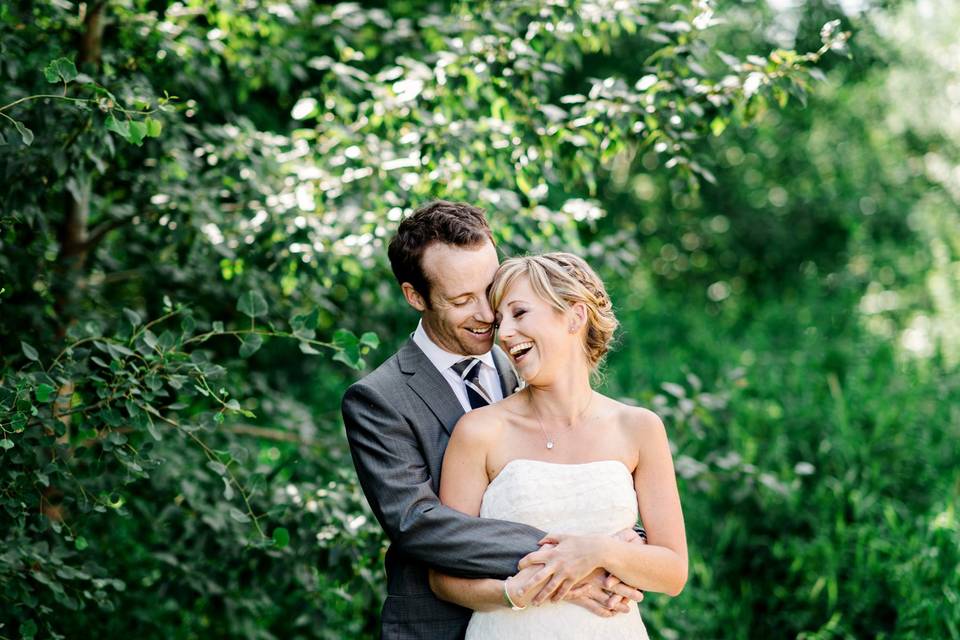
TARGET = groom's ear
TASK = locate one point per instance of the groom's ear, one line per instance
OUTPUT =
(413, 297)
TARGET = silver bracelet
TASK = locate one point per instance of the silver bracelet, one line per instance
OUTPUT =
(509, 601)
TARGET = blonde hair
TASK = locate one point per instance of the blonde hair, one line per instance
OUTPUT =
(563, 279)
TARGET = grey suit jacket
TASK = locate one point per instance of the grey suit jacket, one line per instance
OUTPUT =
(398, 420)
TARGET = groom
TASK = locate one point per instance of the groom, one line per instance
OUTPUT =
(399, 419)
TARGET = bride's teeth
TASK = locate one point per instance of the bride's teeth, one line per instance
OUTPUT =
(520, 347)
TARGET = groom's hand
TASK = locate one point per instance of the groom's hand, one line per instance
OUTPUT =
(567, 559)
(593, 595)
(570, 560)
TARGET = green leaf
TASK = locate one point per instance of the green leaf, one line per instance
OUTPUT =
(138, 131)
(344, 338)
(80, 543)
(167, 341)
(523, 184)
(227, 489)
(674, 389)
(252, 304)
(348, 348)
(154, 127)
(25, 133)
(306, 347)
(152, 429)
(281, 537)
(304, 326)
(29, 351)
(717, 125)
(370, 339)
(132, 316)
(120, 127)
(6, 443)
(188, 324)
(150, 338)
(61, 69)
(44, 391)
(28, 629)
(218, 327)
(218, 467)
(118, 351)
(238, 515)
(250, 344)
(350, 357)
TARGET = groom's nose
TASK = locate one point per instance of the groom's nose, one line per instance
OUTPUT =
(484, 312)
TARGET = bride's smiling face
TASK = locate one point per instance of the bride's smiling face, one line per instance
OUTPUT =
(536, 335)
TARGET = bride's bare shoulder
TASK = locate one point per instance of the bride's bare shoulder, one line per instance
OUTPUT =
(481, 426)
(636, 420)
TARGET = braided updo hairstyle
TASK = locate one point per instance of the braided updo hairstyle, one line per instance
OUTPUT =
(563, 279)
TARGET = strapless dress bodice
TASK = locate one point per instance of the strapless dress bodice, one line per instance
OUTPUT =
(593, 498)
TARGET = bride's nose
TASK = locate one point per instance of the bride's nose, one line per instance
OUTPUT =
(505, 328)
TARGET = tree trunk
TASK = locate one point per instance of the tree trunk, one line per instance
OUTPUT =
(73, 233)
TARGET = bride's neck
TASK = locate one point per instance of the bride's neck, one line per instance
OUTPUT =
(564, 399)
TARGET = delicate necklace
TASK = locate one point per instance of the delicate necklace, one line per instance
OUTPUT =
(550, 441)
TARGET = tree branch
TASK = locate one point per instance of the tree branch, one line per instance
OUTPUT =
(102, 229)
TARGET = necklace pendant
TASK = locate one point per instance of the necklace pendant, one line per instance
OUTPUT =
(549, 444)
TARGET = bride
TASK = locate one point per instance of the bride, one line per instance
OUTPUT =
(563, 458)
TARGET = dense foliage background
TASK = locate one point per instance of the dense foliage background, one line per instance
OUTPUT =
(194, 204)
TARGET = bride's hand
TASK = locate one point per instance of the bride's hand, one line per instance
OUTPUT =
(567, 560)
(593, 595)
(521, 586)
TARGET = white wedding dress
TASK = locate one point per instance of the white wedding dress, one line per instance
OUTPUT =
(580, 499)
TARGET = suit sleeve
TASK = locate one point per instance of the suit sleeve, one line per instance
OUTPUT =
(395, 478)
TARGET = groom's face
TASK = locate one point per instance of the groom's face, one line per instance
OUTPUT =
(459, 318)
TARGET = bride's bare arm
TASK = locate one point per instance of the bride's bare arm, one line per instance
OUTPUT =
(661, 564)
(487, 594)
(463, 481)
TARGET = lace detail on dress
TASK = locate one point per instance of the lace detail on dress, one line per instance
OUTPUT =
(581, 499)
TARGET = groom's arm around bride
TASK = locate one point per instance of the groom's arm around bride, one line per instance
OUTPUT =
(397, 479)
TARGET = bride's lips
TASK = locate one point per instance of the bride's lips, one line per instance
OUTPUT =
(520, 350)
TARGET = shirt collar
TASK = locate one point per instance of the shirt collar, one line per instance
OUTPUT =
(441, 358)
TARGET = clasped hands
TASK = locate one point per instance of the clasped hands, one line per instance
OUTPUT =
(566, 568)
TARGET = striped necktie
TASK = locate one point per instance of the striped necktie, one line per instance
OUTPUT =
(469, 372)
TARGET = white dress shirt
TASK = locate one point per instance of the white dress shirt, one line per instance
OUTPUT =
(444, 360)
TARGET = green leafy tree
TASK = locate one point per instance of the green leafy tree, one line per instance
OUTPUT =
(200, 205)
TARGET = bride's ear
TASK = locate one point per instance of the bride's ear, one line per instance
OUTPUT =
(578, 317)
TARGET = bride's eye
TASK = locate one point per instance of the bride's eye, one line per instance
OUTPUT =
(519, 312)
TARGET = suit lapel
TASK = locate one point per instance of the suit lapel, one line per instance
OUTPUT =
(430, 385)
(509, 381)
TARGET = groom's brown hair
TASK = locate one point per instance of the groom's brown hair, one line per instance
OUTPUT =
(456, 223)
